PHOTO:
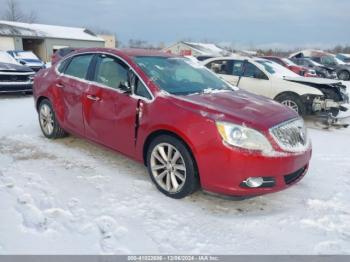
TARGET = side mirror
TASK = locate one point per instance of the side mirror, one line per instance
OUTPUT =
(22, 62)
(132, 81)
(124, 85)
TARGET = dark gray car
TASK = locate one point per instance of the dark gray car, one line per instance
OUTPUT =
(342, 69)
(15, 78)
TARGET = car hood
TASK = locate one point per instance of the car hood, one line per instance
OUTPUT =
(6, 67)
(313, 80)
(33, 62)
(239, 107)
(344, 66)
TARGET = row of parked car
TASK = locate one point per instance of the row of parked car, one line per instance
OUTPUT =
(279, 79)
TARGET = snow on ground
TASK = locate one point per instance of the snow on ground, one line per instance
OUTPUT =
(69, 196)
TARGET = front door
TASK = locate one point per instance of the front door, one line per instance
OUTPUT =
(109, 110)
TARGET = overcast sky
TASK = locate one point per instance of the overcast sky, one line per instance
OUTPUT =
(250, 23)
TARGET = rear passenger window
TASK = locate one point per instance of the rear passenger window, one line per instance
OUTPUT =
(223, 67)
(79, 65)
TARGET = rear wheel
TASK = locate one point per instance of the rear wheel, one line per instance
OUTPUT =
(172, 167)
(48, 122)
(292, 101)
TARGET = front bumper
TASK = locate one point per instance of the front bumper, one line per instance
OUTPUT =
(16, 87)
(225, 168)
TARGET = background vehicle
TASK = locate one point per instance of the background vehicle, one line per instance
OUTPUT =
(178, 118)
(300, 70)
(14, 77)
(27, 58)
(344, 57)
(342, 69)
(264, 77)
(60, 53)
(321, 70)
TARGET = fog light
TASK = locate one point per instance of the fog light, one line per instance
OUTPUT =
(254, 181)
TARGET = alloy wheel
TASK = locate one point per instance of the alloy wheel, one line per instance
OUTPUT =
(46, 119)
(291, 104)
(168, 167)
(344, 76)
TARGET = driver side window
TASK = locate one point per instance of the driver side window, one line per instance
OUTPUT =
(252, 71)
(111, 72)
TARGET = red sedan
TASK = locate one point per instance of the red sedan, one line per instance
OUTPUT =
(189, 127)
(300, 70)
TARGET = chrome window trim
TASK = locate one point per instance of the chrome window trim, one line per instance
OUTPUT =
(102, 85)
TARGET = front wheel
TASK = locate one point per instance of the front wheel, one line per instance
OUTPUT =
(48, 122)
(172, 167)
(344, 75)
(292, 101)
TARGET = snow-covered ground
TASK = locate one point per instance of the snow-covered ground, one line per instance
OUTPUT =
(69, 196)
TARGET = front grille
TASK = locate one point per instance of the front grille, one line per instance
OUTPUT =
(291, 178)
(291, 136)
(14, 78)
(36, 68)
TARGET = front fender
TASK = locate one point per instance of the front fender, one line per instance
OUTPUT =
(282, 86)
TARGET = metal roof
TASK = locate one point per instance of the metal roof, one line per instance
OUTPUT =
(9, 28)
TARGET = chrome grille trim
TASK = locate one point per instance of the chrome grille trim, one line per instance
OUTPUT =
(291, 136)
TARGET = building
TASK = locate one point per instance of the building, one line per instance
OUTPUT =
(110, 40)
(44, 40)
(195, 49)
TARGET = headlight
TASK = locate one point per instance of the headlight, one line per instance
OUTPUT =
(243, 137)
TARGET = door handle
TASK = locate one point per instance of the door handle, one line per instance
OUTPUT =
(59, 85)
(93, 98)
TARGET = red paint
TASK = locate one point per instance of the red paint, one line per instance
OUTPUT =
(111, 122)
(300, 70)
(186, 52)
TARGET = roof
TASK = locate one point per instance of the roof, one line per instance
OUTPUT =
(204, 49)
(145, 52)
(309, 53)
(127, 52)
(9, 28)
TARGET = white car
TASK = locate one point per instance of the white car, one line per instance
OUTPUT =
(263, 77)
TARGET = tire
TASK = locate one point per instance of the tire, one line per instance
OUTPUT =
(292, 101)
(344, 75)
(48, 122)
(177, 170)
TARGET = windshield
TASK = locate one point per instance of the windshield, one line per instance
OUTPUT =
(344, 58)
(180, 76)
(276, 69)
(26, 55)
(6, 58)
(338, 61)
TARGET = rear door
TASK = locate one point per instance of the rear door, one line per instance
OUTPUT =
(109, 109)
(224, 68)
(71, 85)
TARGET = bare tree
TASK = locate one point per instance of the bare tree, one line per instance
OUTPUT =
(13, 12)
